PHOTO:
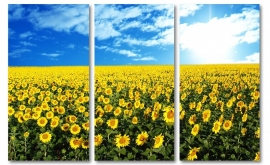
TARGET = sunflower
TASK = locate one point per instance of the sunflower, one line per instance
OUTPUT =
(45, 106)
(229, 104)
(193, 153)
(26, 134)
(26, 116)
(112, 123)
(81, 109)
(192, 119)
(243, 131)
(153, 96)
(137, 104)
(154, 115)
(98, 140)
(72, 118)
(11, 111)
(49, 115)
(117, 111)
(158, 141)
(169, 115)
(183, 96)
(108, 91)
(45, 137)
(36, 115)
(182, 115)
(85, 144)
(244, 117)
(75, 143)
(65, 127)
(86, 114)
(257, 157)
(20, 119)
(258, 133)
(227, 125)
(22, 107)
(86, 126)
(216, 126)
(75, 129)
(54, 123)
(122, 141)
(142, 138)
(61, 110)
(42, 121)
(106, 100)
(199, 106)
(195, 129)
(135, 120)
(206, 115)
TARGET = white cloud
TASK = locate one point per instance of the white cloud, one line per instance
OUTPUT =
(111, 21)
(10, 33)
(51, 54)
(148, 28)
(86, 47)
(133, 24)
(26, 34)
(27, 43)
(188, 9)
(15, 12)
(164, 21)
(128, 53)
(105, 30)
(254, 58)
(148, 58)
(17, 53)
(71, 46)
(67, 18)
(213, 41)
(165, 37)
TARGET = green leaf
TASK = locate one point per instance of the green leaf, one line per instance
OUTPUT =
(115, 158)
(168, 149)
(223, 155)
(134, 149)
(130, 156)
(206, 156)
(123, 151)
(233, 156)
(152, 157)
(64, 151)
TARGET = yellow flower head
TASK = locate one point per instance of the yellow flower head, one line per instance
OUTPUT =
(112, 123)
(158, 141)
(193, 154)
(98, 140)
(195, 129)
(142, 138)
(45, 137)
(122, 141)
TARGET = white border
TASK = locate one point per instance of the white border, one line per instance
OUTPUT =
(265, 54)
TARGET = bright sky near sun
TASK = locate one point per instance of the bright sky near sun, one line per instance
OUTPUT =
(134, 34)
(219, 34)
(48, 35)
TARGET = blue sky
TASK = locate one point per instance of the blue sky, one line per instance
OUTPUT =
(134, 34)
(48, 35)
(219, 34)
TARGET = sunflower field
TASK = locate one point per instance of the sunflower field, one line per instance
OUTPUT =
(48, 113)
(134, 113)
(220, 112)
